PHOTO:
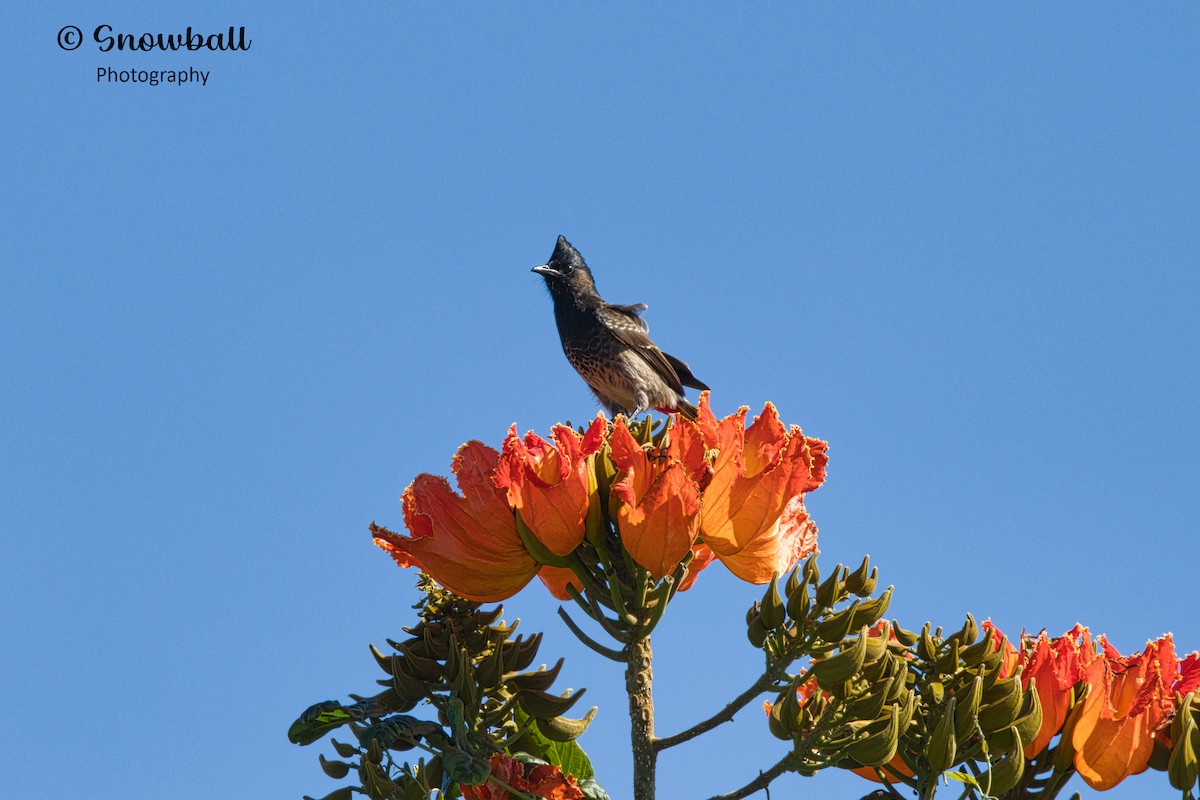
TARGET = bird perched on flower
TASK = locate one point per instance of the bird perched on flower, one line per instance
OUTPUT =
(609, 345)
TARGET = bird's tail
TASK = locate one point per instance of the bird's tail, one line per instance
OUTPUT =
(686, 410)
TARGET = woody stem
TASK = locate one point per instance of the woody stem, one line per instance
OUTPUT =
(638, 677)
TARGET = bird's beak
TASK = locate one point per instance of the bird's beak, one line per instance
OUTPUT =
(546, 271)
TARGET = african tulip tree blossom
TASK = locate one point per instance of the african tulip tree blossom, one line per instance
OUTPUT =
(1129, 699)
(549, 484)
(468, 542)
(1055, 665)
(543, 780)
(711, 487)
(659, 512)
(752, 514)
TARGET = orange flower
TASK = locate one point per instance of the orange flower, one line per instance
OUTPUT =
(702, 556)
(544, 780)
(1008, 664)
(1057, 665)
(1129, 699)
(1189, 675)
(659, 512)
(894, 767)
(467, 542)
(549, 782)
(504, 768)
(557, 579)
(549, 483)
(753, 514)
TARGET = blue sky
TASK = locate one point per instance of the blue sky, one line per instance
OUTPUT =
(959, 243)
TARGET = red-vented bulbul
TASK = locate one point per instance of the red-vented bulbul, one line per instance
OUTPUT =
(609, 346)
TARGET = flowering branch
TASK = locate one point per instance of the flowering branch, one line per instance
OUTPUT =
(619, 518)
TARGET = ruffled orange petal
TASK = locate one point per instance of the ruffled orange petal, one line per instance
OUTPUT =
(1129, 700)
(548, 483)
(556, 580)
(765, 439)
(468, 542)
(1043, 665)
(658, 516)
(772, 550)
(702, 556)
(659, 530)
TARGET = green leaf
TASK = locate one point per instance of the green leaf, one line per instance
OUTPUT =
(963, 777)
(316, 721)
(567, 756)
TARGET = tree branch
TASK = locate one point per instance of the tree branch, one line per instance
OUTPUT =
(638, 678)
(761, 685)
(761, 782)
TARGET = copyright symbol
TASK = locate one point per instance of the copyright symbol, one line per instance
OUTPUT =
(70, 37)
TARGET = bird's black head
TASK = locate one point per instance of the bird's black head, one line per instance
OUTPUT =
(566, 273)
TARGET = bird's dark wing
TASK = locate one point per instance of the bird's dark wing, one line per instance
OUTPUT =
(631, 330)
(633, 313)
(685, 373)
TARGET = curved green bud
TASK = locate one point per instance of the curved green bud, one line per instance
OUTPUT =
(839, 668)
(520, 652)
(926, 646)
(1006, 772)
(941, 749)
(538, 681)
(871, 611)
(872, 703)
(756, 632)
(772, 606)
(543, 705)
(905, 637)
(789, 711)
(334, 769)
(1182, 767)
(562, 729)
(797, 602)
(856, 580)
(831, 591)
(880, 747)
(968, 633)
(1029, 720)
(775, 723)
(811, 573)
(877, 645)
(1000, 714)
(973, 655)
(947, 662)
(416, 664)
(794, 582)
(837, 626)
(968, 710)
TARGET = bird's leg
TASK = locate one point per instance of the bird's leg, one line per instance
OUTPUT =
(641, 404)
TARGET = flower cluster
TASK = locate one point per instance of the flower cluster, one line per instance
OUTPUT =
(543, 780)
(1109, 708)
(697, 491)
